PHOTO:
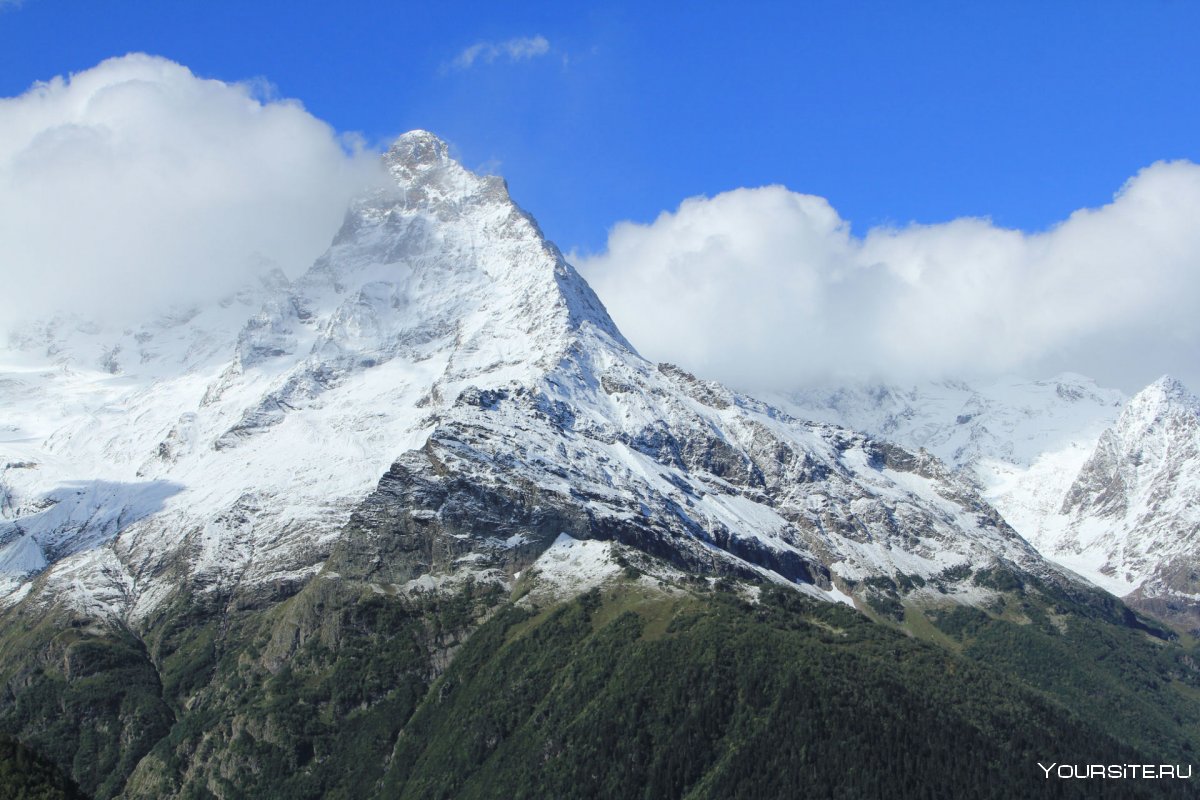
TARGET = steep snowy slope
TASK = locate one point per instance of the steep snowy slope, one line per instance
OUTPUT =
(241, 435)
(1131, 519)
(443, 387)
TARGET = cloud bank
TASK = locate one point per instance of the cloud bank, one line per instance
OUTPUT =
(768, 289)
(518, 49)
(136, 184)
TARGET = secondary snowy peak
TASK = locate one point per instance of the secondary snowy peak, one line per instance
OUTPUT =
(1107, 488)
(1153, 440)
(1131, 518)
(1157, 410)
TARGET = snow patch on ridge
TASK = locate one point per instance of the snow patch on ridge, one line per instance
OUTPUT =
(570, 566)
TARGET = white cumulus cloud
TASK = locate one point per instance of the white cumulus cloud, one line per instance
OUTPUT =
(135, 184)
(768, 289)
(517, 49)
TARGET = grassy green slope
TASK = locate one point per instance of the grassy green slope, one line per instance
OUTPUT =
(785, 698)
(1121, 680)
(345, 690)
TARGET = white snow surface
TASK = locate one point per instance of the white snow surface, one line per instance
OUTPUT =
(230, 443)
(1131, 517)
(570, 566)
(1010, 420)
(1107, 487)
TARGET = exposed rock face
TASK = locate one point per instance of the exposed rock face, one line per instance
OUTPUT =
(1133, 511)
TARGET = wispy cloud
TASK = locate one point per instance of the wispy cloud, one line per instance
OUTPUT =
(518, 49)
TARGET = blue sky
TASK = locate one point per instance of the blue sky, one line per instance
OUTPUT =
(895, 112)
(969, 189)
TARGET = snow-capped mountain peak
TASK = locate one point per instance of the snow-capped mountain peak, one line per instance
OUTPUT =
(443, 384)
(296, 393)
(418, 148)
(421, 168)
(1154, 434)
(1156, 405)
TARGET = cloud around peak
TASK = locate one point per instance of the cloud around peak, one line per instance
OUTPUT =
(767, 289)
(136, 183)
